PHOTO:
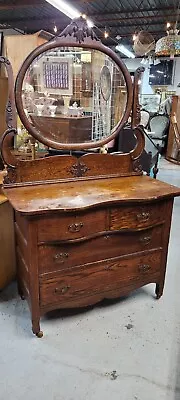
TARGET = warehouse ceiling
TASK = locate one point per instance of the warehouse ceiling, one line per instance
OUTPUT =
(120, 18)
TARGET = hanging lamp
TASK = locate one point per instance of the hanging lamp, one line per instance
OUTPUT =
(169, 45)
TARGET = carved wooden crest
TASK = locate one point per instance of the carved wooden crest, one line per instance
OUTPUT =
(78, 170)
(79, 29)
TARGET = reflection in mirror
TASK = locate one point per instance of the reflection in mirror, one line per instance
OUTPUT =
(74, 95)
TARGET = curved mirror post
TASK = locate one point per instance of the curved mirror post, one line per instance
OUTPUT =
(74, 95)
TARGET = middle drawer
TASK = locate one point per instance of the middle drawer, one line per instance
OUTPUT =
(61, 256)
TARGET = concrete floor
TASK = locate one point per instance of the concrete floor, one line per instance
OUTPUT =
(92, 355)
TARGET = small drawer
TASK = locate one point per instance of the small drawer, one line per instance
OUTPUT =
(99, 277)
(71, 226)
(52, 258)
(136, 217)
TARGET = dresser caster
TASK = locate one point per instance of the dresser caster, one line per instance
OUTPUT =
(21, 294)
(159, 291)
(39, 334)
(36, 328)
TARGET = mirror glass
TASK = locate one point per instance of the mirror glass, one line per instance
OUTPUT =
(74, 95)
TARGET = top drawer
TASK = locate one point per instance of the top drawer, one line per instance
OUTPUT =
(139, 216)
(71, 226)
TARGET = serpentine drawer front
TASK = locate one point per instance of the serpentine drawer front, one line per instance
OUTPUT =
(99, 277)
(62, 256)
(71, 226)
(137, 216)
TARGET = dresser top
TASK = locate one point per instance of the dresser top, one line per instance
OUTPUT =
(83, 194)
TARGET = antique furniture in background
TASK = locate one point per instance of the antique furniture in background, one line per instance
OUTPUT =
(66, 127)
(150, 154)
(3, 101)
(89, 227)
(173, 145)
(158, 125)
(7, 245)
(25, 44)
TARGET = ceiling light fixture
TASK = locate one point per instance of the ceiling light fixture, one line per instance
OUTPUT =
(122, 49)
(55, 28)
(106, 34)
(66, 9)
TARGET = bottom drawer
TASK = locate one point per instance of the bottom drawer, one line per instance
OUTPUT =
(99, 277)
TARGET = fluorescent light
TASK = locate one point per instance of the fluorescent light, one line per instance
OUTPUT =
(122, 49)
(160, 72)
(66, 9)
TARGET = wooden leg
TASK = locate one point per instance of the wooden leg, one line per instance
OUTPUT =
(20, 291)
(155, 169)
(159, 290)
(36, 328)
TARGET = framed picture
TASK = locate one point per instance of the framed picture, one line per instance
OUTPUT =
(87, 83)
(150, 102)
(56, 75)
(105, 82)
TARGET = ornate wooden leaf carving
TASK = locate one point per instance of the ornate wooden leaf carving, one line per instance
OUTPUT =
(79, 29)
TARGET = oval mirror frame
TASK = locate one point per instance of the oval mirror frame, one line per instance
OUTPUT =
(77, 34)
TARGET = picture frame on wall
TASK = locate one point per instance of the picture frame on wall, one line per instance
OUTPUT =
(150, 102)
(56, 75)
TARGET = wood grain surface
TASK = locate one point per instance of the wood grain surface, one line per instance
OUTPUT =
(81, 195)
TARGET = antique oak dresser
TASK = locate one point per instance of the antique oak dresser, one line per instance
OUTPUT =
(89, 227)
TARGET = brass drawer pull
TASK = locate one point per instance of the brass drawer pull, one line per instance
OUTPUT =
(108, 267)
(62, 290)
(143, 216)
(144, 267)
(75, 227)
(60, 257)
(145, 240)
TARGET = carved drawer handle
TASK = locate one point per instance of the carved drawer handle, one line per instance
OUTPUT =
(145, 240)
(60, 258)
(75, 227)
(143, 216)
(62, 290)
(144, 267)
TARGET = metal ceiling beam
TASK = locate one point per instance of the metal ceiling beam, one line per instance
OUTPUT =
(137, 17)
(20, 4)
(46, 21)
(131, 11)
(35, 20)
(120, 25)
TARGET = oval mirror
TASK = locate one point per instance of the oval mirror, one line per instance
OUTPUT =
(72, 96)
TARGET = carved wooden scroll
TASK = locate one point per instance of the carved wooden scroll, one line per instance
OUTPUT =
(136, 111)
(7, 138)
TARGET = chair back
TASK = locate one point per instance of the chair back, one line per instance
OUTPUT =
(159, 125)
